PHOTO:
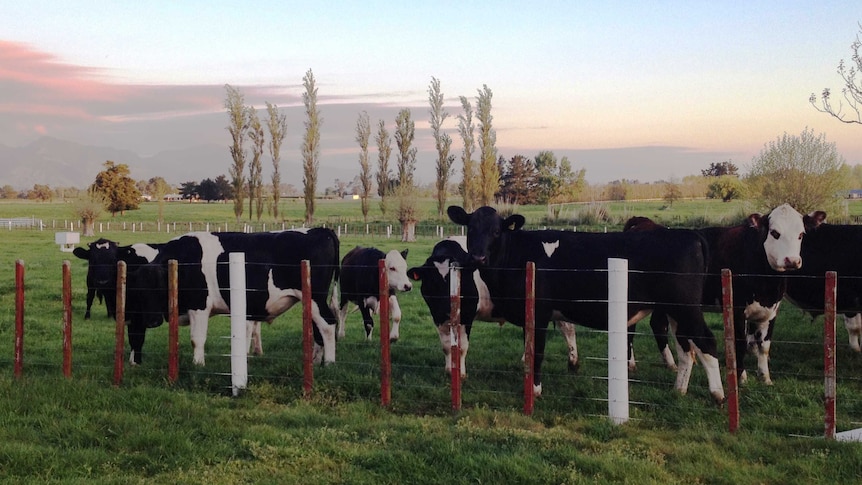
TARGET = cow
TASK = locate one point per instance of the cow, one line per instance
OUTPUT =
(101, 256)
(359, 282)
(475, 301)
(666, 266)
(758, 252)
(830, 247)
(273, 283)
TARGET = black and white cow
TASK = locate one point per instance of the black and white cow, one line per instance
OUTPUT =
(831, 247)
(666, 273)
(360, 283)
(101, 274)
(273, 283)
(475, 300)
(758, 252)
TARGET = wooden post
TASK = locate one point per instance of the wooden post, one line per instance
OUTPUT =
(173, 322)
(19, 318)
(730, 350)
(307, 334)
(385, 363)
(455, 335)
(829, 353)
(529, 338)
(120, 327)
(67, 319)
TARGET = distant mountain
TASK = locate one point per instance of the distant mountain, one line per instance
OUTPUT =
(56, 162)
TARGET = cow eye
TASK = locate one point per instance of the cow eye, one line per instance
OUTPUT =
(800, 235)
(775, 234)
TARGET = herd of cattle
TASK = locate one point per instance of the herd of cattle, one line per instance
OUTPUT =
(674, 276)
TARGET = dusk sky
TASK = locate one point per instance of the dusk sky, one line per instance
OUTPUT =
(637, 90)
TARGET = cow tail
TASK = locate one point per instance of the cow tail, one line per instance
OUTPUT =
(334, 303)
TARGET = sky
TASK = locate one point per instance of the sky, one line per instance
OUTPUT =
(637, 90)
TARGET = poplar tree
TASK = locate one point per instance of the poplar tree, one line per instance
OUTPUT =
(277, 124)
(255, 168)
(442, 142)
(405, 132)
(489, 175)
(238, 123)
(310, 144)
(469, 190)
(384, 151)
(363, 134)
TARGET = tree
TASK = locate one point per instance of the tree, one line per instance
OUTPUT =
(8, 192)
(255, 168)
(405, 131)
(518, 182)
(189, 190)
(88, 208)
(237, 114)
(469, 186)
(720, 169)
(277, 124)
(207, 190)
(804, 171)
(310, 144)
(384, 151)
(617, 190)
(489, 176)
(443, 143)
(363, 134)
(571, 182)
(41, 192)
(225, 189)
(158, 188)
(852, 90)
(117, 188)
(672, 193)
(726, 188)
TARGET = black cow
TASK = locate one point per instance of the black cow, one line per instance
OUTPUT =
(475, 301)
(831, 247)
(101, 274)
(667, 274)
(273, 283)
(360, 284)
(758, 253)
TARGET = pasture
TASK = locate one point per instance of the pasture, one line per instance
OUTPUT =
(82, 429)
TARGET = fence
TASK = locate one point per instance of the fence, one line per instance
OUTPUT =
(238, 347)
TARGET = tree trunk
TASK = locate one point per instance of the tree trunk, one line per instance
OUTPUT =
(88, 227)
(408, 231)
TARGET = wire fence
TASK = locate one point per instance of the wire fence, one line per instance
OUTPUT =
(792, 406)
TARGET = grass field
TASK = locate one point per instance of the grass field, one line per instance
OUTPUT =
(84, 430)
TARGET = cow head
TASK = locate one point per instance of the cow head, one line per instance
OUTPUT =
(147, 295)
(485, 227)
(434, 275)
(781, 231)
(396, 271)
(102, 268)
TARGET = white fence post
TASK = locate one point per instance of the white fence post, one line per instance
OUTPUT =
(238, 344)
(618, 371)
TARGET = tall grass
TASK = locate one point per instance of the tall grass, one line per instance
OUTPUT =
(77, 430)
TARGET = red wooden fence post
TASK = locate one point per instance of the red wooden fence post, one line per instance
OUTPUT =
(307, 334)
(173, 322)
(455, 335)
(120, 327)
(385, 362)
(730, 350)
(529, 338)
(67, 319)
(19, 317)
(829, 353)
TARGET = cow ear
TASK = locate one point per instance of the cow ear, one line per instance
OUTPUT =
(754, 220)
(514, 222)
(415, 274)
(82, 253)
(458, 215)
(404, 254)
(813, 220)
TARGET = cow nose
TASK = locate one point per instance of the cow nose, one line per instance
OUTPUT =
(408, 287)
(479, 259)
(792, 263)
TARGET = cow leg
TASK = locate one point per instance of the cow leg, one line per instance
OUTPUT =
(341, 315)
(325, 322)
(702, 343)
(252, 334)
(568, 331)
(198, 326)
(539, 356)
(444, 331)
(395, 318)
(658, 324)
(367, 321)
(853, 324)
(137, 335)
(760, 321)
(631, 350)
(91, 293)
(685, 357)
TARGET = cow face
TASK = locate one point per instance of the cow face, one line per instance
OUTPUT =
(784, 231)
(102, 268)
(485, 227)
(396, 271)
(434, 275)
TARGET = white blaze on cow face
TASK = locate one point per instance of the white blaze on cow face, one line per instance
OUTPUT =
(396, 271)
(784, 240)
(550, 247)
